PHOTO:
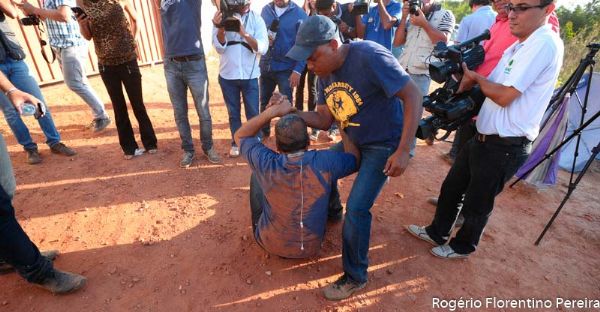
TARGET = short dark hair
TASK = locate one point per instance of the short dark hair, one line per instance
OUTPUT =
(324, 4)
(546, 2)
(291, 134)
(479, 2)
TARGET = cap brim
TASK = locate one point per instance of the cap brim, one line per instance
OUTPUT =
(300, 53)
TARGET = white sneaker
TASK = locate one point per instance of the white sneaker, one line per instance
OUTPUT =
(234, 152)
(420, 233)
(137, 152)
(314, 135)
(446, 252)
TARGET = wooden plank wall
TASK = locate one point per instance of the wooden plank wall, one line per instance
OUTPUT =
(149, 44)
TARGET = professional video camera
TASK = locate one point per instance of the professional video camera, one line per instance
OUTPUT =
(448, 109)
(228, 9)
(30, 20)
(360, 7)
(414, 6)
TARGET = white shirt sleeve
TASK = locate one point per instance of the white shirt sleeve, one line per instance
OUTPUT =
(220, 48)
(260, 34)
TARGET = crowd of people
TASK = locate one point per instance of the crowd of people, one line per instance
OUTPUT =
(366, 76)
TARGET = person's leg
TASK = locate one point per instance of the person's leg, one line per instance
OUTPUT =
(7, 178)
(423, 82)
(454, 186)
(178, 94)
(257, 199)
(283, 83)
(335, 208)
(250, 96)
(197, 81)
(357, 223)
(312, 91)
(111, 77)
(73, 69)
(132, 80)
(300, 91)
(491, 167)
(267, 86)
(16, 124)
(17, 249)
(231, 95)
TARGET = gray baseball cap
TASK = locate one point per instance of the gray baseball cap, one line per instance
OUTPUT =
(315, 31)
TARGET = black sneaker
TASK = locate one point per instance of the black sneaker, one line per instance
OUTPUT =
(63, 282)
(33, 157)
(343, 288)
(61, 148)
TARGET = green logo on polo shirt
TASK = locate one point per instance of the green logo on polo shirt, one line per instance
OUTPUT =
(508, 68)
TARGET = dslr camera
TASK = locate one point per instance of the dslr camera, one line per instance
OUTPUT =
(448, 109)
(30, 20)
(414, 6)
(228, 9)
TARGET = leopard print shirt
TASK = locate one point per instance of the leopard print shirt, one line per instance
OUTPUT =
(111, 32)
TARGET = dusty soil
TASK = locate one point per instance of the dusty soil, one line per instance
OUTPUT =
(153, 237)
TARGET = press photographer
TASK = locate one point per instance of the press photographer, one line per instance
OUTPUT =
(379, 23)
(239, 53)
(517, 92)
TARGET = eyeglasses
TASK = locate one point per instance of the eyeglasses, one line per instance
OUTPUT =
(522, 8)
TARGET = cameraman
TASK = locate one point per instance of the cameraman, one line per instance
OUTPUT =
(428, 26)
(379, 24)
(17, 72)
(238, 70)
(71, 51)
(517, 92)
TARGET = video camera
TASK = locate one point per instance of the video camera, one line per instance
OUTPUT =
(448, 109)
(414, 6)
(30, 20)
(228, 9)
(360, 7)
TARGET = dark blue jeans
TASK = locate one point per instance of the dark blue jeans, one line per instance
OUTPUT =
(356, 231)
(17, 249)
(479, 172)
(268, 82)
(248, 88)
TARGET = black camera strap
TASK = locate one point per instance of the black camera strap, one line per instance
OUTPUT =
(43, 44)
(246, 45)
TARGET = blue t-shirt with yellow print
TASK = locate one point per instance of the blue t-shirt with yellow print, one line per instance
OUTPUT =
(361, 95)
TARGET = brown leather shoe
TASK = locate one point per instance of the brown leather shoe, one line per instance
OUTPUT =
(33, 157)
(63, 282)
(61, 148)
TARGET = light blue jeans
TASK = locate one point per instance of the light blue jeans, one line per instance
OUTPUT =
(18, 73)
(73, 69)
(7, 178)
(423, 82)
(180, 76)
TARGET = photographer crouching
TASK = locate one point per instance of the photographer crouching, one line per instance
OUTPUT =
(516, 92)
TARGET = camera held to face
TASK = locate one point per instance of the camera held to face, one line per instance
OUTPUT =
(360, 7)
(448, 109)
(228, 9)
(30, 20)
(414, 6)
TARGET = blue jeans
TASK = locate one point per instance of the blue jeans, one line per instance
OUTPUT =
(7, 178)
(231, 94)
(71, 61)
(268, 82)
(180, 76)
(356, 231)
(18, 73)
(423, 82)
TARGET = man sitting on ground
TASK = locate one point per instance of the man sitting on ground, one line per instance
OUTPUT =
(290, 189)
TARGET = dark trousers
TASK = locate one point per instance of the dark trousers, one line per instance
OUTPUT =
(463, 134)
(17, 249)
(479, 172)
(308, 78)
(128, 75)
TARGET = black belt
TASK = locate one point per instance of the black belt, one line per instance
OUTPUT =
(186, 58)
(496, 139)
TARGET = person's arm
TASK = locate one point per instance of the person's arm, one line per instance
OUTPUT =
(412, 100)
(130, 10)
(7, 7)
(319, 119)
(16, 96)
(62, 14)
(360, 26)
(247, 37)
(84, 23)
(386, 20)
(400, 35)
(278, 106)
(434, 34)
(219, 39)
(500, 94)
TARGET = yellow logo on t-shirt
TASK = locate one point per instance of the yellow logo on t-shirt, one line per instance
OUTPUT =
(343, 102)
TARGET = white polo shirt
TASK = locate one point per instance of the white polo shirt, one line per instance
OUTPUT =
(532, 67)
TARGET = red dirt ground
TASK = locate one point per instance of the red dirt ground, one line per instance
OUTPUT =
(152, 237)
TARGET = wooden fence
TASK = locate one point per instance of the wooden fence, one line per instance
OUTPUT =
(149, 44)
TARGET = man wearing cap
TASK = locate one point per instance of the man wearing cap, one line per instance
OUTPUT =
(361, 86)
